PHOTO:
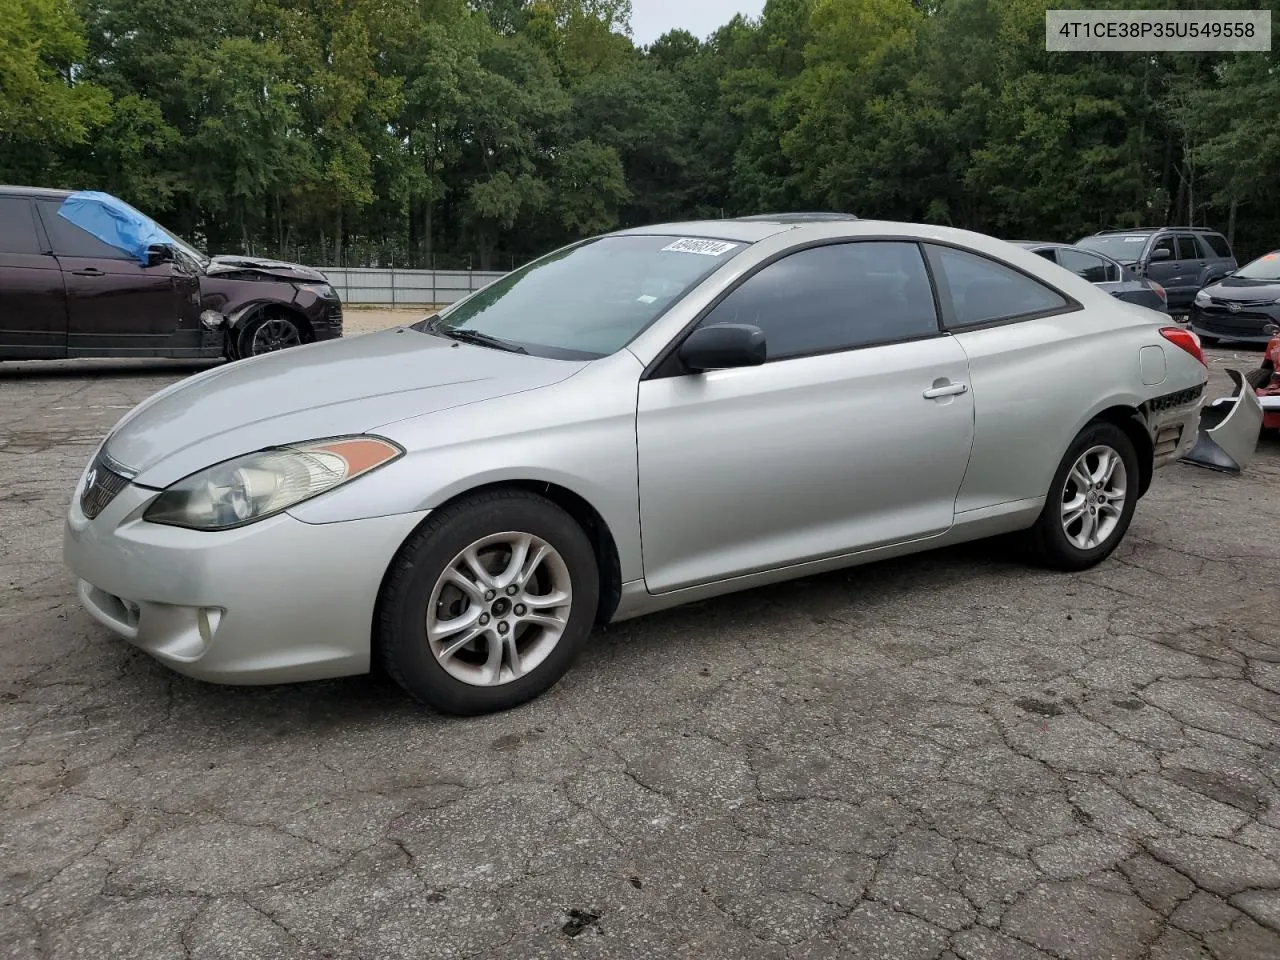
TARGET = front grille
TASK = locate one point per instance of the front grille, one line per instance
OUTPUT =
(1249, 324)
(1219, 302)
(102, 485)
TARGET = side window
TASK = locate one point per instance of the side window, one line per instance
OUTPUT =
(1218, 244)
(1094, 269)
(70, 241)
(983, 291)
(1047, 253)
(17, 226)
(1166, 243)
(835, 297)
(1188, 249)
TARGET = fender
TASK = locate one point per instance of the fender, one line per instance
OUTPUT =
(217, 320)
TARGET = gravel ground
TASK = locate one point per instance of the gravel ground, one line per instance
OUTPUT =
(368, 319)
(946, 756)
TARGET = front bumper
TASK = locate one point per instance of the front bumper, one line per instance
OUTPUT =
(277, 601)
(329, 325)
(1245, 326)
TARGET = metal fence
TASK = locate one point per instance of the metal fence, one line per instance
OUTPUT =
(391, 287)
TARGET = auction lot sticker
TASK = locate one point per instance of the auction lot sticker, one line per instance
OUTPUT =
(1149, 30)
(708, 248)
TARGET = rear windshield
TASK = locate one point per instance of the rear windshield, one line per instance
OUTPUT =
(1125, 247)
(590, 300)
(1266, 267)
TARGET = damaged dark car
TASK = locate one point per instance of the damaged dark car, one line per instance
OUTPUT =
(83, 274)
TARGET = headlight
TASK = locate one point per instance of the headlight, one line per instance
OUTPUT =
(322, 290)
(259, 485)
(1202, 299)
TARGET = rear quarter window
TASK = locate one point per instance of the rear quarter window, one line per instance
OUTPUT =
(1218, 244)
(984, 291)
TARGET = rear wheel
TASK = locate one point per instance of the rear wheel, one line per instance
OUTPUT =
(488, 604)
(1208, 341)
(1091, 500)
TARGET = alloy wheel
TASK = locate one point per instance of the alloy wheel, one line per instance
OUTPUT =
(1093, 497)
(499, 609)
(275, 334)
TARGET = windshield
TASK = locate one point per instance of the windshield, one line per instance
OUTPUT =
(188, 249)
(588, 301)
(1125, 247)
(1266, 267)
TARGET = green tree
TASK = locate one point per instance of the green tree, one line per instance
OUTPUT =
(42, 100)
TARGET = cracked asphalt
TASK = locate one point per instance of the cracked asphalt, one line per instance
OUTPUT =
(946, 756)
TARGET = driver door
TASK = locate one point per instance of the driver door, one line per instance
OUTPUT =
(115, 305)
(855, 434)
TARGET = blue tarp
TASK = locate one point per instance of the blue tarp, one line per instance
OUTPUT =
(114, 222)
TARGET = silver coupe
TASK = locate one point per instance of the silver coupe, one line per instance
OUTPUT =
(633, 422)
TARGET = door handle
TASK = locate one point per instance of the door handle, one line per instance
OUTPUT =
(946, 390)
(89, 272)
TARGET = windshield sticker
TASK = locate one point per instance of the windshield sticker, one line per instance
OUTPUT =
(1134, 239)
(646, 298)
(708, 248)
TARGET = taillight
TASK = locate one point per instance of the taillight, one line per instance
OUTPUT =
(1185, 339)
(1164, 297)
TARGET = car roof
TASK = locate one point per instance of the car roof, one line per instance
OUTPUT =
(52, 194)
(810, 217)
(746, 231)
(802, 231)
(1118, 231)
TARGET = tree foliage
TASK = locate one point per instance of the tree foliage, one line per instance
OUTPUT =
(483, 132)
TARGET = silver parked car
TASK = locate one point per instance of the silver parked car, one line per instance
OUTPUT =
(1110, 275)
(632, 422)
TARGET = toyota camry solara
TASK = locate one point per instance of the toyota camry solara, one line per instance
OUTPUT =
(636, 421)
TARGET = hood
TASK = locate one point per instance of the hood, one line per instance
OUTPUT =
(256, 268)
(328, 389)
(1239, 288)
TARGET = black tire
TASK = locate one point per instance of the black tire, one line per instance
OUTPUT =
(284, 328)
(401, 619)
(1047, 541)
(1208, 341)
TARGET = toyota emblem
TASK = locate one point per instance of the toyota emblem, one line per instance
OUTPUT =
(1233, 307)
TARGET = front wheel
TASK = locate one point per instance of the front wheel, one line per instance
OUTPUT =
(267, 333)
(488, 604)
(1091, 501)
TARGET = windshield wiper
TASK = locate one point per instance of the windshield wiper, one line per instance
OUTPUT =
(482, 340)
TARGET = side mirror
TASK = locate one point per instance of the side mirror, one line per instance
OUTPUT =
(1160, 253)
(159, 253)
(723, 345)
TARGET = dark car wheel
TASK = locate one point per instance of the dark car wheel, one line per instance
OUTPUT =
(267, 333)
(488, 604)
(1091, 501)
(1208, 341)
